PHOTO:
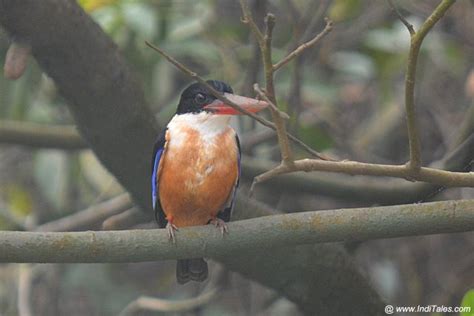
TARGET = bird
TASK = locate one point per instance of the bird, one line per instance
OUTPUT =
(196, 166)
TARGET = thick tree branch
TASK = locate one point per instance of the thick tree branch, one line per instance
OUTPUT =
(41, 136)
(104, 96)
(252, 235)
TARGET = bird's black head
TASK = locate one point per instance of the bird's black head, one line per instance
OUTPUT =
(195, 97)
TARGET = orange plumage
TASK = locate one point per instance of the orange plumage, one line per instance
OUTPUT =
(197, 177)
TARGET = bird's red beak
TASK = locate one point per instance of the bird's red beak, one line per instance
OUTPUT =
(249, 104)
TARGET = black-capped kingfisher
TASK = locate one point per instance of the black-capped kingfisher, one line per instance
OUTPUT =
(196, 166)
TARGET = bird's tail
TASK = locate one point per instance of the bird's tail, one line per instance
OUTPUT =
(191, 269)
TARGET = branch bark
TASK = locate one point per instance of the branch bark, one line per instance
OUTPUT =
(416, 40)
(246, 236)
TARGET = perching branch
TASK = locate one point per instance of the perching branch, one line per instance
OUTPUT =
(416, 40)
(247, 236)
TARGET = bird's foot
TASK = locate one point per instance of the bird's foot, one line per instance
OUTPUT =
(171, 228)
(219, 223)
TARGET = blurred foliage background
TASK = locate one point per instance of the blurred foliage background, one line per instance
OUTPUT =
(344, 96)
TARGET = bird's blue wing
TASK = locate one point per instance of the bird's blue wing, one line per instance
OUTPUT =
(158, 151)
(226, 213)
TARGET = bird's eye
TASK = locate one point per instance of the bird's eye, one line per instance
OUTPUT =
(200, 98)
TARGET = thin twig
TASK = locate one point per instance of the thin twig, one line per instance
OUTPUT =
(409, 26)
(262, 94)
(280, 124)
(363, 189)
(412, 170)
(314, 18)
(416, 40)
(219, 96)
(266, 50)
(298, 51)
(247, 19)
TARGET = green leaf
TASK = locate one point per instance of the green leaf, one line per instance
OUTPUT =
(468, 301)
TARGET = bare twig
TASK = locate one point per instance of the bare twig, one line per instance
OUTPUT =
(247, 19)
(280, 124)
(248, 236)
(298, 51)
(314, 16)
(409, 26)
(447, 178)
(265, 43)
(365, 189)
(219, 96)
(416, 40)
(412, 170)
(216, 93)
(262, 94)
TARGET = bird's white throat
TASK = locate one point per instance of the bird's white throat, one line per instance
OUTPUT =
(207, 124)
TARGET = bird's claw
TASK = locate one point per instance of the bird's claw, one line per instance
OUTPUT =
(171, 228)
(219, 223)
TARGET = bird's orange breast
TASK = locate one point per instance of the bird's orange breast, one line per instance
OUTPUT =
(197, 176)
